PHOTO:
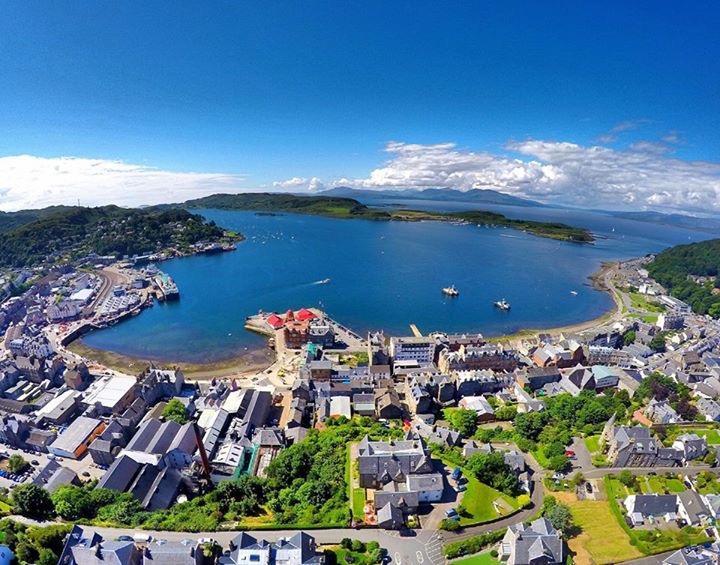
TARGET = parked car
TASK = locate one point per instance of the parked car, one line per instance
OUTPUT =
(451, 513)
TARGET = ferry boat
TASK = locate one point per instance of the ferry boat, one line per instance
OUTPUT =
(451, 291)
(502, 304)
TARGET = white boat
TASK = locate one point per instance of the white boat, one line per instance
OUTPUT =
(502, 304)
(573, 292)
(451, 290)
(324, 281)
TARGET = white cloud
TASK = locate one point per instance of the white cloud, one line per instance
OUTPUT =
(33, 182)
(295, 183)
(642, 176)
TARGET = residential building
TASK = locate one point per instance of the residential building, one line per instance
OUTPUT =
(535, 543)
(651, 508)
(691, 445)
(299, 549)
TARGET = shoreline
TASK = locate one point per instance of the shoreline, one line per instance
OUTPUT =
(259, 359)
(252, 361)
(601, 280)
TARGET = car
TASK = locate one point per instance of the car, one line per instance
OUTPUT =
(456, 474)
(85, 474)
(35, 462)
(451, 513)
(125, 538)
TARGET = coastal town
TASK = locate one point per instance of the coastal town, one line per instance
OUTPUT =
(404, 448)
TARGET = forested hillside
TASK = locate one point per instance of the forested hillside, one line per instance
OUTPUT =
(74, 231)
(675, 268)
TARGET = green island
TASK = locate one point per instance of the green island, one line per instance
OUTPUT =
(690, 273)
(336, 207)
(59, 234)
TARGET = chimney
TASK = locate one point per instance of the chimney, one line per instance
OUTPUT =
(201, 449)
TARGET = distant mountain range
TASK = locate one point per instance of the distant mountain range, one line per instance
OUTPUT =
(485, 196)
(488, 196)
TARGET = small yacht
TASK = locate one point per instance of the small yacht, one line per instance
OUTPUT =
(573, 292)
(451, 291)
(502, 304)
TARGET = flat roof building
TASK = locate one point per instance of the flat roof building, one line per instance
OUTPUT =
(77, 437)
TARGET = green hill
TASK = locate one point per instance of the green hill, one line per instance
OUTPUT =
(340, 207)
(69, 232)
(674, 267)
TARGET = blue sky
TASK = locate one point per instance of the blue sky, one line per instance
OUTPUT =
(264, 92)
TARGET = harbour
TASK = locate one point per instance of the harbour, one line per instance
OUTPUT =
(381, 275)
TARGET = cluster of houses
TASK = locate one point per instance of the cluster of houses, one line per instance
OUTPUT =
(84, 546)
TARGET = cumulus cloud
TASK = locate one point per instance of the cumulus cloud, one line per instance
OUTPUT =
(27, 181)
(300, 183)
(642, 176)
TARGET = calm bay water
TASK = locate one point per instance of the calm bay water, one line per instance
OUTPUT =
(384, 275)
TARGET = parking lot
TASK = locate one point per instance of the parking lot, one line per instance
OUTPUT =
(84, 467)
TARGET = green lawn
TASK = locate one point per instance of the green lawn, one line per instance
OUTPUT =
(711, 435)
(593, 443)
(477, 502)
(601, 536)
(483, 558)
(356, 496)
(641, 302)
(540, 457)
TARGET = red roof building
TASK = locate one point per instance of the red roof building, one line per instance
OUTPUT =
(275, 321)
(305, 314)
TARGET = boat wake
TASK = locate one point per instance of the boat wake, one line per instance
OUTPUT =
(323, 281)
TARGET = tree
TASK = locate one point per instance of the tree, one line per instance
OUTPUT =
(530, 424)
(491, 469)
(47, 557)
(558, 463)
(629, 337)
(462, 420)
(33, 501)
(17, 463)
(72, 502)
(506, 413)
(561, 518)
(657, 343)
(627, 478)
(175, 411)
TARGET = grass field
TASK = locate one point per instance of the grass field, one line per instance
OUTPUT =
(483, 558)
(478, 501)
(601, 540)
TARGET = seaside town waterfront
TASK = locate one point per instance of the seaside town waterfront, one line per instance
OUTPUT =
(419, 447)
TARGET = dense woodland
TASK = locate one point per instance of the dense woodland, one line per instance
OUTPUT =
(69, 232)
(673, 267)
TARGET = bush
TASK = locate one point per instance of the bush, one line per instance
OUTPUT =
(450, 525)
(494, 553)
(473, 544)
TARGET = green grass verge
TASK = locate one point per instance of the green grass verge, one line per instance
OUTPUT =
(483, 558)
(477, 503)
